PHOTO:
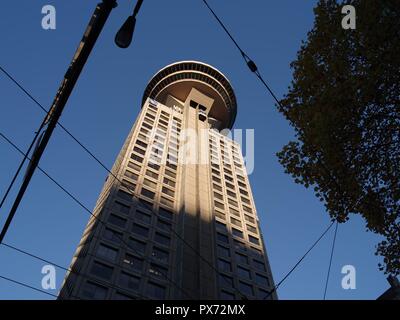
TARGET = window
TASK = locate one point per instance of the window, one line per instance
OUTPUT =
(129, 185)
(244, 192)
(157, 271)
(168, 192)
(140, 230)
(117, 221)
(146, 125)
(220, 215)
(165, 123)
(251, 229)
(150, 184)
(128, 281)
(256, 252)
(136, 158)
(165, 240)
(217, 187)
(147, 120)
(262, 280)
(247, 209)
(237, 233)
(259, 265)
(241, 184)
(94, 291)
(245, 288)
(231, 186)
(227, 295)
(240, 258)
(133, 262)
(101, 270)
(244, 273)
(249, 219)
(263, 294)
(163, 225)
(139, 151)
(220, 225)
(225, 281)
(137, 245)
(166, 202)
(145, 204)
(107, 252)
(121, 207)
(239, 245)
(112, 235)
(169, 173)
(160, 255)
(223, 251)
(222, 238)
(231, 193)
(124, 195)
(219, 205)
(152, 174)
(169, 182)
(156, 291)
(165, 213)
(153, 166)
(131, 175)
(134, 166)
(224, 265)
(236, 222)
(234, 212)
(218, 196)
(193, 104)
(245, 200)
(148, 193)
(232, 202)
(228, 178)
(144, 217)
(254, 240)
(141, 143)
(216, 179)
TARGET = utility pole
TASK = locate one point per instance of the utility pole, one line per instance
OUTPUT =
(92, 32)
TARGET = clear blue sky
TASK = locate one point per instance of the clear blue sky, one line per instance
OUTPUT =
(106, 101)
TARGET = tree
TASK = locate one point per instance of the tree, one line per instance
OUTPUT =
(344, 104)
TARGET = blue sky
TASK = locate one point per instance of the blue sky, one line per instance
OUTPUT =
(106, 101)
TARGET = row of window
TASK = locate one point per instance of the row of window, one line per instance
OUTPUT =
(237, 228)
(92, 290)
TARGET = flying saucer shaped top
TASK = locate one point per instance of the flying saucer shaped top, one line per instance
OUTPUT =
(179, 78)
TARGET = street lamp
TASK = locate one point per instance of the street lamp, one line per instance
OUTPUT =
(123, 38)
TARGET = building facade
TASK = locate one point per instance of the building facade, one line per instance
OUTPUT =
(176, 218)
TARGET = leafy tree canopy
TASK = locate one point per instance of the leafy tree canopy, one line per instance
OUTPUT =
(344, 103)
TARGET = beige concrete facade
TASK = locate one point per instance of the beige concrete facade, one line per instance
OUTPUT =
(179, 221)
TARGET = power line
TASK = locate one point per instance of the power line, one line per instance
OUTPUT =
(29, 254)
(253, 68)
(37, 134)
(250, 63)
(104, 166)
(330, 260)
(19, 85)
(298, 262)
(86, 209)
(27, 286)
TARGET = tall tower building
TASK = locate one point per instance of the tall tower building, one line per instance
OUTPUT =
(176, 218)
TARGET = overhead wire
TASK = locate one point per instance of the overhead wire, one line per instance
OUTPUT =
(85, 208)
